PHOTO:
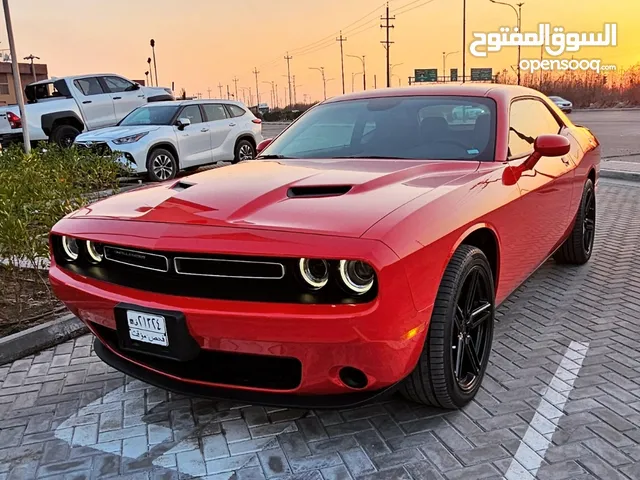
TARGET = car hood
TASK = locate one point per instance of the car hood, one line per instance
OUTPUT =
(111, 133)
(333, 197)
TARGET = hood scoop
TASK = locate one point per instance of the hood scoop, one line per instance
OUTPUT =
(318, 191)
(180, 186)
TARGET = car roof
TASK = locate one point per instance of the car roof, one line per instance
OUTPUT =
(493, 90)
(197, 102)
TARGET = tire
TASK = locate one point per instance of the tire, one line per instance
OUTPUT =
(244, 151)
(578, 247)
(64, 135)
(433, 381)
(161, 165)
(192, 169)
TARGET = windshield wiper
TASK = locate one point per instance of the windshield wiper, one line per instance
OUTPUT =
(271, 157)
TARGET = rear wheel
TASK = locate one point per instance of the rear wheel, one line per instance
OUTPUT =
(578, 247)
(64, 135)
(244, 151)
(162, 165)
(458, 344)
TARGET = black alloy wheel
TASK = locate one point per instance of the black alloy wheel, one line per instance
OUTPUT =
(578, 247)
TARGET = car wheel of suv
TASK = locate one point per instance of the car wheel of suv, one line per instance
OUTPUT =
(162, 165)
(458, 344)
(577, 248)
(244, 151)
(64, 135)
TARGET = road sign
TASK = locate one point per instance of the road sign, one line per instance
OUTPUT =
(480, 74)
(454, 75)
(426, 75)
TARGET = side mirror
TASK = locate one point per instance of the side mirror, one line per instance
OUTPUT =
(547, 146)
(263, 144)
(183, 123)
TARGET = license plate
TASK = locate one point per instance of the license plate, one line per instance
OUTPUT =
(147, 328)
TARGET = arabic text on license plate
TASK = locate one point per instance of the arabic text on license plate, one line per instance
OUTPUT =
(147, 328)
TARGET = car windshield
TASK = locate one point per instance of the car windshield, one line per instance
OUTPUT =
(415, 127)
(155, 115)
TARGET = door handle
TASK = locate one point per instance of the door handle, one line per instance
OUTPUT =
(232, 124)
(204, 130)
(87, 101)
(140, 96)
(117, 98)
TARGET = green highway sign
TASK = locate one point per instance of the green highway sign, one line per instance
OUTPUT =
(426, 75)
(481, 74)
(454, 75)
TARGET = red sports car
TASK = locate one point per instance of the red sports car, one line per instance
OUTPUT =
(365, 249)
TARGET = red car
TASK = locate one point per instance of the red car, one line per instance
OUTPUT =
(365, 250)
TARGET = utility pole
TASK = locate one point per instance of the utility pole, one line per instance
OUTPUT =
(256, 72)
(150, 72)
(295, 100)
(146, 77)
(324, 81)
(209, 91)
(17, 84)
(288, 59)
(220, 88)
(155, 65)
(464, 40)
(228, 93)
(33, 69)
(235, 81)
(375, 81)
(342, 39)
(387, 43)
(275, 92)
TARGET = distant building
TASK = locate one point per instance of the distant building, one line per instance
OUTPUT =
(7, 92)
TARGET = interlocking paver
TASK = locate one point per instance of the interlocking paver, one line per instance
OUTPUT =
(64, 414)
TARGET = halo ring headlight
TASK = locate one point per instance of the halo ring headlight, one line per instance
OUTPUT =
(357, 276)
(70, 248)
(93, 251)
(315, 272)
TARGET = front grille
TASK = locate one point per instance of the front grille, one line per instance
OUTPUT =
(221, 277)
(98, 148)
(224, 368)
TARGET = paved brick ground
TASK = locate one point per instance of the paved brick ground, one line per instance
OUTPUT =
(64, 414)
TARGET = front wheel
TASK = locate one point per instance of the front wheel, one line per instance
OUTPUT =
(162, 165)
(64, 135)
(577, 248)
(244, 151)
(458, 344)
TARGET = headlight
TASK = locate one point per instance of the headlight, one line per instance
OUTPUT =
(357, 276)
(70, 247)
(94, 250)
(315, 272)
(130, 138)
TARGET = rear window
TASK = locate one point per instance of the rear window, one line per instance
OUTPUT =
(414, 128)
(236, 111)
(42, 91)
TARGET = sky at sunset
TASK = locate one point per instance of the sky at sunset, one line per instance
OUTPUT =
(203, 43)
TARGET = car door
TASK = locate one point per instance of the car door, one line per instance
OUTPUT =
(194, 141)
(95, 102)
(547, 189)
(220, 126)
(125, 95)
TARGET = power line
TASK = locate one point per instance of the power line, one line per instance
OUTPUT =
(413, 8)
(387, 43)
(342, 39)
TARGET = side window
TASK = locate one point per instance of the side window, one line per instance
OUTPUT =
(527, 120)
(214, 112)
(192, 112)
(236, 111)
(89, 86)
(117, 84)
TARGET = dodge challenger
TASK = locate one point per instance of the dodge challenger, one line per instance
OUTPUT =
(363, 252)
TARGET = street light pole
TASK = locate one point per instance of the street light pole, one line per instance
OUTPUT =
(518, 13)
(155, 65)
(17, 83)
(364, 70)
(31, 57)
(324, 81)
(444, 62)
(464, 39)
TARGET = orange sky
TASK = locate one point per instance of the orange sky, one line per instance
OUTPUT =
(201, 43)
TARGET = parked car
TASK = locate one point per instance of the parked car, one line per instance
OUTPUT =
(337, 267)
(161, 139)
(58, 109)
(565, 105)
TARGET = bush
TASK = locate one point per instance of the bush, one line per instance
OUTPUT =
(36, 191)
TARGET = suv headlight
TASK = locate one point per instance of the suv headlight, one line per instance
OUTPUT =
(130, 138)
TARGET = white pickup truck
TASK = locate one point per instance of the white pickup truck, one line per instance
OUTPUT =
(59, 109)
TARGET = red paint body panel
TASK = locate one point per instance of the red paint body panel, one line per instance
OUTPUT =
(406, 218)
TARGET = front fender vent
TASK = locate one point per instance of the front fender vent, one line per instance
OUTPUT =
(318, 191)
(180, 186)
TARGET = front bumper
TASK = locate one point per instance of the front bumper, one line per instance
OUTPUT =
(133, 157)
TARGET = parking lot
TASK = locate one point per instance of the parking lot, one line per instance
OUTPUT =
(561, 398)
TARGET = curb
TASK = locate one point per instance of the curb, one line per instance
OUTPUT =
(40, 337)
(620, 175)
(610, 109)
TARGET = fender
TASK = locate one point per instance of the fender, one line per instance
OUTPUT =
(48, 119)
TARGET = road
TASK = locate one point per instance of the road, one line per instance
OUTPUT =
(561, 400)
(617, 130)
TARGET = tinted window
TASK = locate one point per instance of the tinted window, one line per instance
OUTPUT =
(236, 111)
(214, 112)
(420, 127)
(89, 86)
(192, 112)
(117, 84)
(156, 115)
(527, 120)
